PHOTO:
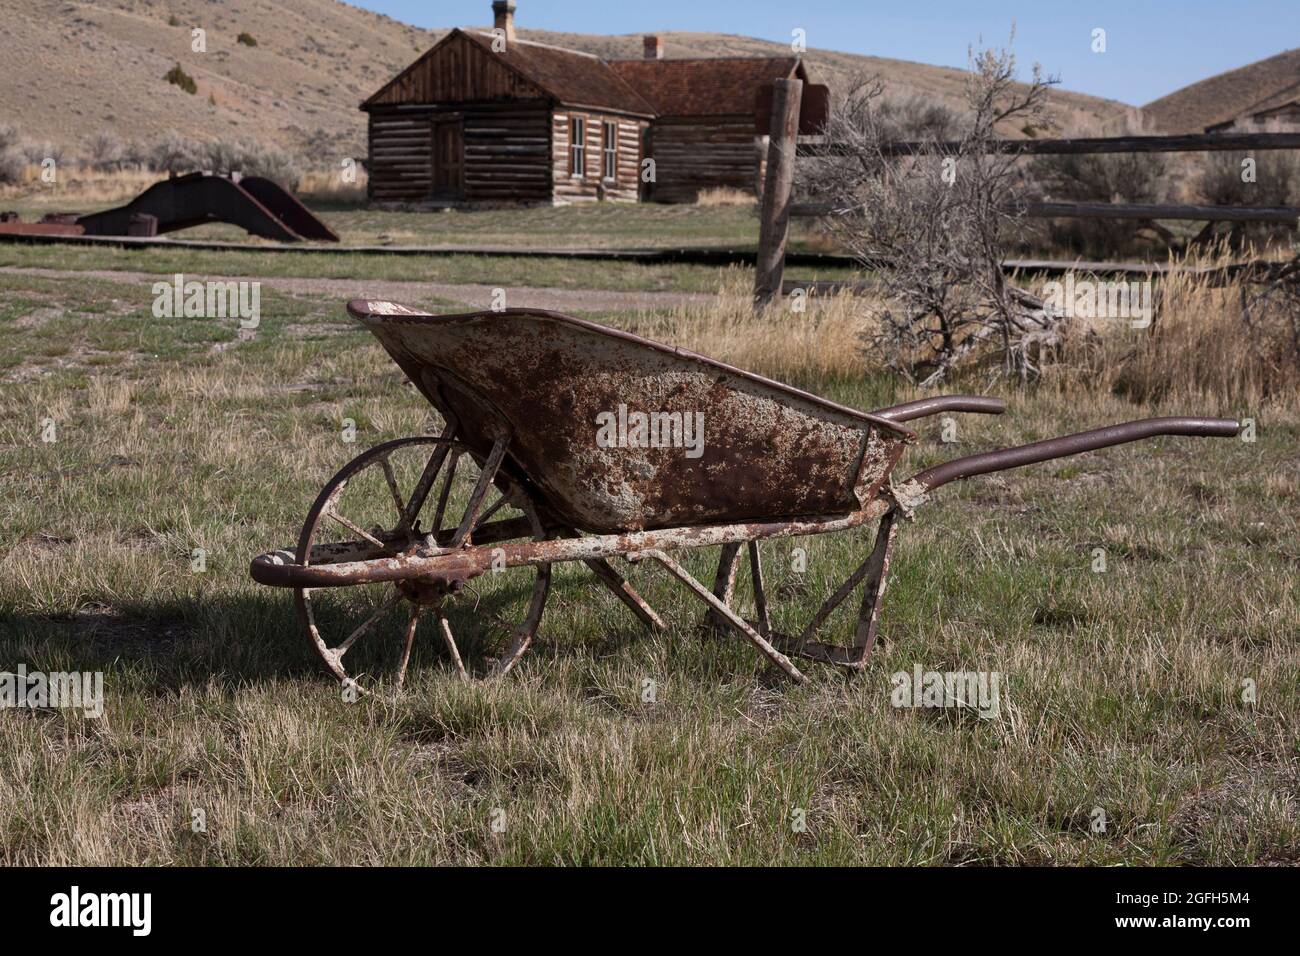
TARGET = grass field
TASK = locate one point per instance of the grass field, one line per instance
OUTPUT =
(1123, 690)
(580, 226)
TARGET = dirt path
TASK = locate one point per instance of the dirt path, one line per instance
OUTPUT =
(473, 296)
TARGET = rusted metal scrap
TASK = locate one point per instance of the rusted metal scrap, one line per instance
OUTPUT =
(257, 205)
(608, 445)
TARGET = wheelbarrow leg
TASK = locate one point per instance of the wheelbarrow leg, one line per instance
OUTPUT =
(871, 575)
(864, 639)
(724, 585)
(624, 591)
(608, 575)
(730, 617)
(760, 593)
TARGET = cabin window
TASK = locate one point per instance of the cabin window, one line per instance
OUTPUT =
(609, 151)
(577, 147)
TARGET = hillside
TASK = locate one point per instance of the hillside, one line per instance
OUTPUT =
(1224, 96)
(74, 67)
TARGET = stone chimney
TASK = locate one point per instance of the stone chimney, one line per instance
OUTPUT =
(503, 16)
(654, 46)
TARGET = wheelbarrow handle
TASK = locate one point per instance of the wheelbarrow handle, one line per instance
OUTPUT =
(1066, 445)
(923, 407)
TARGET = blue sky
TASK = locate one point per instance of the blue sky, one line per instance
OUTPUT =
(1152, 46)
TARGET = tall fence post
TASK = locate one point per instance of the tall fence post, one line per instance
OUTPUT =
(774, 224)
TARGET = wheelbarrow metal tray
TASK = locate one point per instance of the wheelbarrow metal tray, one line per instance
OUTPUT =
(723, 445)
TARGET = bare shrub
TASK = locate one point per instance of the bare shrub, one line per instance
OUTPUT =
(105, 152)
(1103, 177)
(174, 153)
(252, 159)
(38, 152)
(916, 118)
(12, 166)
(1266, 178)
(934, 222)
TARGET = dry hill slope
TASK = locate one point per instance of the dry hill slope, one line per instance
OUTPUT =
(74, 67)
(1224, 96)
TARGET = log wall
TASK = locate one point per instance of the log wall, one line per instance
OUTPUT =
(507, 151)
(568, 187)
(400, 150)
(695, 154)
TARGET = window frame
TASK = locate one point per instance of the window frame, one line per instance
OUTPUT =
(609, 151)
(577, 146)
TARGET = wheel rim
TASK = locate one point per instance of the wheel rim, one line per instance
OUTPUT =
(387, 502)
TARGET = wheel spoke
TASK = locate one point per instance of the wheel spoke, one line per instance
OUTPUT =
(436, 527)
(397, 495)
(470, 520)
(427, 477)
(496, 506)
(406, 650)
(355, 529)
(450, 641)
(365, 626)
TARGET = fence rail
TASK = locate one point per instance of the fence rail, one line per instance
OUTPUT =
(1190, 143)
(1105, 210)
(777, 209)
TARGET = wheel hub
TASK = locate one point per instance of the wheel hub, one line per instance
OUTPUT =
(428, 592)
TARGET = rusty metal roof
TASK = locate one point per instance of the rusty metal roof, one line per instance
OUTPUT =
(721, 86)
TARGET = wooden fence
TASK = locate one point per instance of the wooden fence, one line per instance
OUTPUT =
(785, 145)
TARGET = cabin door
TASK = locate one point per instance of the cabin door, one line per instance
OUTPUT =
(448, 159)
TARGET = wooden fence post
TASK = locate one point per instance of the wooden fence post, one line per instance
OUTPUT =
(775, 210)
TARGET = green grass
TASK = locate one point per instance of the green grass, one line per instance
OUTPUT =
(579, 226)
(1123, 689)
(452, 269)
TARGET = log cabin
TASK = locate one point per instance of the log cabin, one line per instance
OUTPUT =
(485, 118)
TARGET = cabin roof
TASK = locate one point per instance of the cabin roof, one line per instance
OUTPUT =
(569, 76)
(718, 86)
(572, 77)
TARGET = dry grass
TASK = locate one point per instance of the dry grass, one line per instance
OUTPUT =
(1198, 348)
(823, 342)
(78, 188)
(328, 187)
(724, 196)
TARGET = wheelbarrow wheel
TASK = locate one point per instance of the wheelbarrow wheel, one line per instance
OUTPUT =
(395, 499)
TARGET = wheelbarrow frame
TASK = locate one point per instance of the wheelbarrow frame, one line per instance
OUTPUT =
(454, 556)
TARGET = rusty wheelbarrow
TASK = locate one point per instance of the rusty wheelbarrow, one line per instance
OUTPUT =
(569, 442)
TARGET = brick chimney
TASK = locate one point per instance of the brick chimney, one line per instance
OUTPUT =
(503, 16)
(654, 46)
